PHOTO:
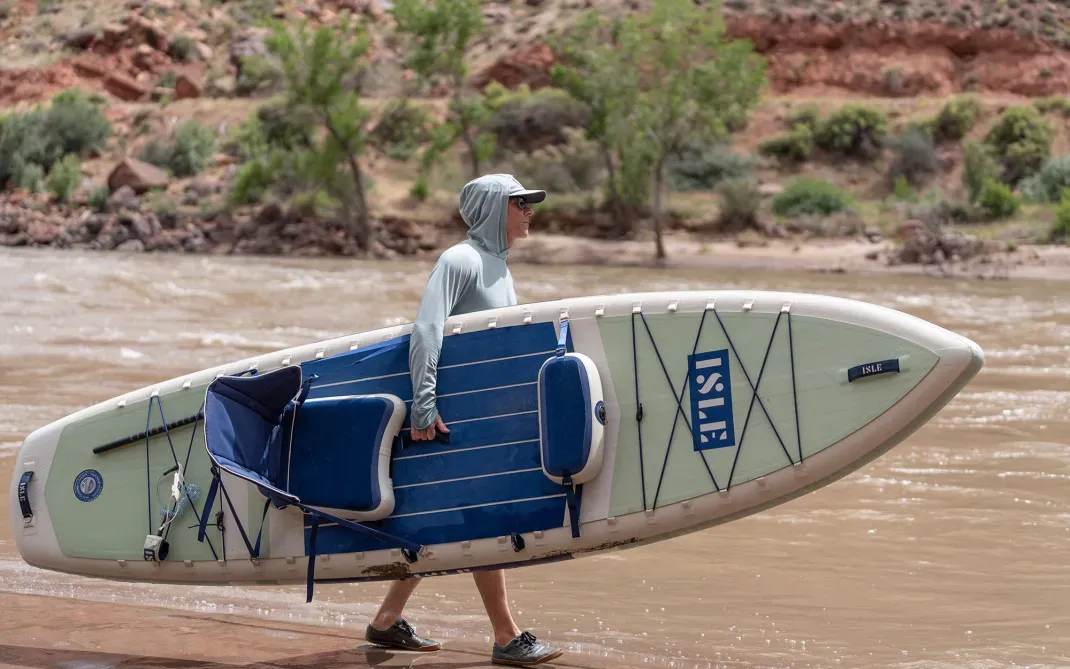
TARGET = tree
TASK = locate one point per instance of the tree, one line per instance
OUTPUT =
(693, 84)
(441, 32)
(318, 70)
(592, 70)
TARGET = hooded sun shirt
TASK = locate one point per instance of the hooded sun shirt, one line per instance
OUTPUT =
(470, 276)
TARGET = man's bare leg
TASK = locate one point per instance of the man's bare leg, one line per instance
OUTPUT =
(394, 603)
(491, 585)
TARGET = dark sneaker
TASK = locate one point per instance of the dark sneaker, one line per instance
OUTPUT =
(400, 636)
(524, 651)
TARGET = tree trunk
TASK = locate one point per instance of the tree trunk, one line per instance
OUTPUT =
(659, 180)
(472, 157)
(363, 230)
(615, 206)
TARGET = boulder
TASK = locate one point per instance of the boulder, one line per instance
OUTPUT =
(186, 87)
(203, 51)
(81, 39)
(131, 246)
(249, 43)
(124, 88)
(138, 175)
(89, 68)
(143, 31)
(529, 65)
(42, 233)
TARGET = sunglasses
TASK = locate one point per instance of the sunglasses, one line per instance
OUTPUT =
(521, 203)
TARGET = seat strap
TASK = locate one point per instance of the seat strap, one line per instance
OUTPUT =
(312, 536)
(562, 338)
(573, 504)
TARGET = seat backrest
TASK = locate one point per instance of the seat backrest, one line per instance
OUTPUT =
(571, 418)
(244, 426)
(339, 460)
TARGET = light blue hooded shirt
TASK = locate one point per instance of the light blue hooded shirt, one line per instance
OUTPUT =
(470, 276)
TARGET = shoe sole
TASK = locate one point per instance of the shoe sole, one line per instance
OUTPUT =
(422, 649)
(515, 663)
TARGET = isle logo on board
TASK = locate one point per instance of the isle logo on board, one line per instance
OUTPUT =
(711, 400)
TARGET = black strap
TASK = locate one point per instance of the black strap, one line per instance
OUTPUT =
(209, 502)
(24, 496)
(312, 536)
(573, 505)
(440, 437)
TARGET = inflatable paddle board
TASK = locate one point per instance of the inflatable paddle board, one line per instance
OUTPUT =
(576, 426)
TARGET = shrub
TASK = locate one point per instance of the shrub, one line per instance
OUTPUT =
(194, 144)
(168, 79)
(808, 116)
(1047, 184)
(854, 131)
(1021, 139)
(73, 123)
(183, 49)
(740, 199)
(703, 169)
(979, 164)
(1055, 103)
(65, 177)
(955, 118)
(251, 183)
(28, 176)
(1060, 230)
(807, 196)
(997, 200)
(522, 120)
(401, 128)
(98, 198)
(186, 154)
(572, 167)
(915, 157)
(796, 145)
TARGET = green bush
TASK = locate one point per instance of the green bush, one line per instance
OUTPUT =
(740, 199)
(28, 176)
(183, 49)
(98, 198)
(955, 118)
(73, 123)
(1047, 185)
(1060, 230)
(168, 79)
(702, 169)
(811, 197)
(1055, 103)
(186, 154)
(915, 157)
(575, 166)
(979, 164)
(854, 131)
(251, 183)
(1021, 139)
(65, 177)
(523, 121)
(401, 128)
(194, 144)
(997, 200)
(808, 116)
(796, 145)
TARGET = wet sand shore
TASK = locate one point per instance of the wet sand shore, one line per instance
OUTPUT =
(53, 633)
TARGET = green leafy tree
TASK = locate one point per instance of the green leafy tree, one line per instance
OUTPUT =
(440, 33)
(317, 69)
(594, 71)
(693, 84)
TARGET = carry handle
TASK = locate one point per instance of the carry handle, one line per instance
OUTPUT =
(24, 496)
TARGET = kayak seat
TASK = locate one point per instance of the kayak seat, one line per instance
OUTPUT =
(331, 454)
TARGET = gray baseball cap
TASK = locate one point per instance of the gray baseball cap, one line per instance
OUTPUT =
(516, 189)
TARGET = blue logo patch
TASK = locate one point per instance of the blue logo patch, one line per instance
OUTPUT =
(711, 400)
(88, 485)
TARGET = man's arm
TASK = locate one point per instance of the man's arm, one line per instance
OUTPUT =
(448, 282)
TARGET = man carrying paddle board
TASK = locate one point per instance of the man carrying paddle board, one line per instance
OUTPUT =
(469, 276)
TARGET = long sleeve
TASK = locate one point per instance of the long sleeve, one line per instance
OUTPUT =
(449, 280)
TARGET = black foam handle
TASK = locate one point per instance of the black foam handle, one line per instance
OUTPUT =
(440, 437)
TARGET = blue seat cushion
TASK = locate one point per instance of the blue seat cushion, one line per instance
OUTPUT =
(570, 433)
(340, 454)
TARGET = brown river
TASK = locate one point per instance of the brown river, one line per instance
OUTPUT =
(953, 550)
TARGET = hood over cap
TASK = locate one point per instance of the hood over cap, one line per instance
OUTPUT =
(484, 206)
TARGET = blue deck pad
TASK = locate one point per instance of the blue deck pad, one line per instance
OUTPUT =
(481, 522)
(487, 481)
(475, 461)
(711, 400)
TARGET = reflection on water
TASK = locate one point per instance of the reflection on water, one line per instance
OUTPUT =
(949, 551)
